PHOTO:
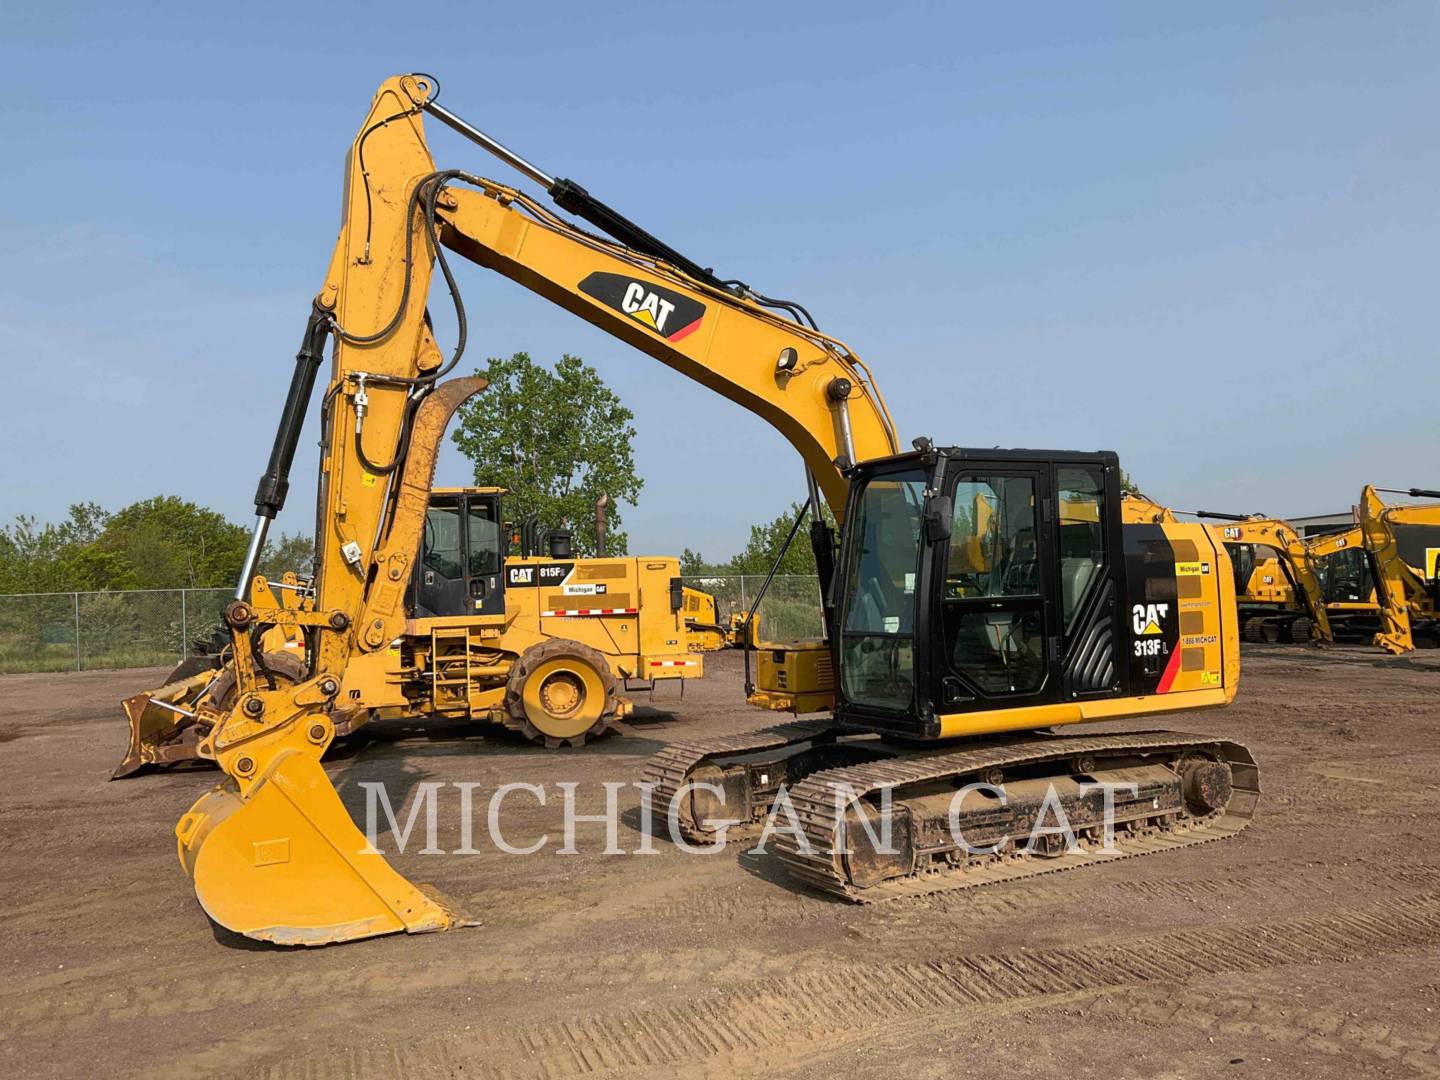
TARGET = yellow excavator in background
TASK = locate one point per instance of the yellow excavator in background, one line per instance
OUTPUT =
(950, 642)
(540, 642)
(1378, 578)
(1292, 609)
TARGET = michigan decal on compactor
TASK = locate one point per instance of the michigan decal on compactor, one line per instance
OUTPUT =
(976, 602)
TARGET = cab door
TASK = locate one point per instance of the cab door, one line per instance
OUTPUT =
(998, 617)
(440, 586)
(484, 534)
(1090, 567)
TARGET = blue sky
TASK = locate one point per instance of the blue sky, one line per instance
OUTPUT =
(1201, 235)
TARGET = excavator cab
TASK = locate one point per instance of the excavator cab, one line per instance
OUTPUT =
(974, 582)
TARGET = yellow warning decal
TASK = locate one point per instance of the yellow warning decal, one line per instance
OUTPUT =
(1432, 558)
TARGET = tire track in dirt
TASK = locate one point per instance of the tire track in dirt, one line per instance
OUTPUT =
(896, 923)
(842, 1001)
(74, 1007)
(1243, 1015)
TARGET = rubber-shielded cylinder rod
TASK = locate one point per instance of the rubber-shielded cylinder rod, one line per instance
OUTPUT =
(275, 483)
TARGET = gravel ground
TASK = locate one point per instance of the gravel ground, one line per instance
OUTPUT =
(1309, 945)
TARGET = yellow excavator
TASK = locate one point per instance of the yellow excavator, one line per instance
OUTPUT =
(1380, 576)
(1289, 609)
(957, 649)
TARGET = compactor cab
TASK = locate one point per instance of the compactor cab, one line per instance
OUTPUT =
(462, 556)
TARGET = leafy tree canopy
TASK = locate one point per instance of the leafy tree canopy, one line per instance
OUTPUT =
(160, 543)
(167, 541)
(557, 439)
(759, 552)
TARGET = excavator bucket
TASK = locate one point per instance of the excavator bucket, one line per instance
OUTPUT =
(282, 862)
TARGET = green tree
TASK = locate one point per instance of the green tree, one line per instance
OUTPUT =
(165, 543)
(295, 553)
(1127, 485)
(759, 553)
(52, 558)
(693, 564)
(557, 439)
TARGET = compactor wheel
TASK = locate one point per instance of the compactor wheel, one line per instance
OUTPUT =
(288, 669)
(560, 693)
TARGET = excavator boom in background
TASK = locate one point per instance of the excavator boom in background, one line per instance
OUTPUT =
(1378, 577)
(1295, 613)
(970, 597)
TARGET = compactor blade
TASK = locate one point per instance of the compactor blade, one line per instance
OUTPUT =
(281, 861)
(159, 735)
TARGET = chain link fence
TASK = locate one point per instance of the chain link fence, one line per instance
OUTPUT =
(790, 608)
(83, 631)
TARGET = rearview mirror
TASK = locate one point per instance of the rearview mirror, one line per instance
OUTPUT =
(939, 512)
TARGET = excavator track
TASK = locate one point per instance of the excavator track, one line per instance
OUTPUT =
(672, 768)
(821, 800)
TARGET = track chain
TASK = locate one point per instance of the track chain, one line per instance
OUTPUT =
(820, 801)
(668, 769)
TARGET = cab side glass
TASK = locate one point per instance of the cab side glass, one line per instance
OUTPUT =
(442, 541)
(993, 614)
(1082, 537)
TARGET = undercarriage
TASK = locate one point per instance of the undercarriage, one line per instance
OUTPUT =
(866, 819)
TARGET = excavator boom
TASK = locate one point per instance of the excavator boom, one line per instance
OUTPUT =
(1296, 561)
(271, 850)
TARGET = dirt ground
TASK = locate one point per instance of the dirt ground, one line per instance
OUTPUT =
(1309, 945)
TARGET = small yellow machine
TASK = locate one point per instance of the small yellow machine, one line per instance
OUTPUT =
(537, 643)
(707, 634)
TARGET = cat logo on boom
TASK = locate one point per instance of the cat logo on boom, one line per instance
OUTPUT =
(1146, 618)
(670, 314)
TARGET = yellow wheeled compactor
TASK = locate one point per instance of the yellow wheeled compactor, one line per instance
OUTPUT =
(542, 644)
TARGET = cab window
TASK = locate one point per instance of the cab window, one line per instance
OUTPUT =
(442, 540)
(992, 539)
(1082, 537)
(484, 540)
(993, 615)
